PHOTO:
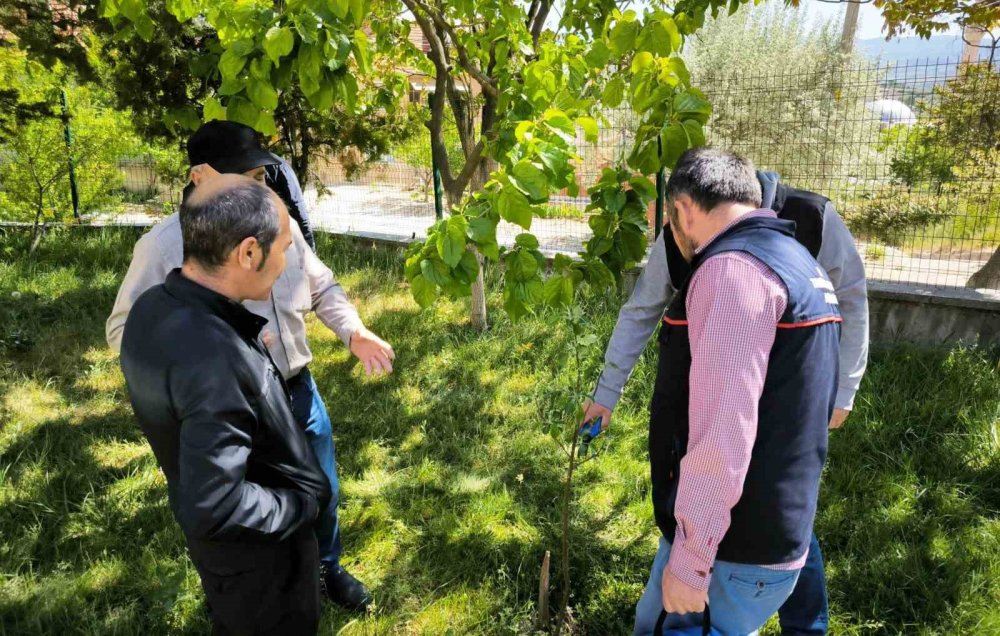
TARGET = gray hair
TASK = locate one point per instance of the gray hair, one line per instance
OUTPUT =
(215, 224)
(711, 176)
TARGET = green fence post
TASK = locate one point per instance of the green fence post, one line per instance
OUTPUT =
(74, 193)
(436, 172)
(661, 187)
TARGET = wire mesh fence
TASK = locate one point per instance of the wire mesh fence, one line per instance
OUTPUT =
(909, 153)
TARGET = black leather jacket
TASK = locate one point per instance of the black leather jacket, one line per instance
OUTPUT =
(217, 415)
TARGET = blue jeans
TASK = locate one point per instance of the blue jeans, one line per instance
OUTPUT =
(742, 597)
(310, 414)
(806, 612)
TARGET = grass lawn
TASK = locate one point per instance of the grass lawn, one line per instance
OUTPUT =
(450, 488)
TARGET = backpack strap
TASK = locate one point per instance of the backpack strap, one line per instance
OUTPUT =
(706, 622)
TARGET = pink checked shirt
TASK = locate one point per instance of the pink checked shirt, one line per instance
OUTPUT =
(734, 303)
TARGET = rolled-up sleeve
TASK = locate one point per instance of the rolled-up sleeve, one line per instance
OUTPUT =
(329, 300)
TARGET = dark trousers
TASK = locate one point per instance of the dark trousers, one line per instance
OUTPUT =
(805, 613)
(261, 589)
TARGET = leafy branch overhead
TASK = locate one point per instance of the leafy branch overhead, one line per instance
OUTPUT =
(537, 97)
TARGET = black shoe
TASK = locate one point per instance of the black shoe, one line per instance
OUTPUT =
(343, 589)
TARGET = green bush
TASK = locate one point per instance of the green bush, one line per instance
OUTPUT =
(891, 213)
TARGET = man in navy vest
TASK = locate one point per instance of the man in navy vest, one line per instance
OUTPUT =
(745, 390)
(821, 230)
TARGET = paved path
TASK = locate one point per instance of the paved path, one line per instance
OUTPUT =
(391, 213)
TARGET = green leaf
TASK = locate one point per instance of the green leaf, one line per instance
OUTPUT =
(692, 105)
(435, 271)
(424, 291)
(232, 86)
(265, 124)
(361, 53)
(589, 126)
(358, 12)
(213, 110)
(262, 94)
(598, 55)
(468, 268)
(278, 42)
(599, 276)
(349, 92)
(145, 27)
(310, 72)
(660, 37)
(614, 200)
(673, 143)
(260, 68)
(614, 92)
(602, 225)
(451, 242)
(622, 38)
(695, 133)
(482, 228)
(522, 131)
(339, 7)
(634, 241)
(243, 111)
(645, 158)
(183, 10)
(490, 249)
(307, 24)
(527, 241)
(558, 291)
(643, 187)
(521, 265)
(559, 120)
(231, 63)
(336, 50)
(554, 159)
(530, 180)
(514, 207)
(322, 100)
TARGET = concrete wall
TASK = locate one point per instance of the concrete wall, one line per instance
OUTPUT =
(933, 316)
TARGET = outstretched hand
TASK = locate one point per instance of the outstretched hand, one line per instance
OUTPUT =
(376, 354)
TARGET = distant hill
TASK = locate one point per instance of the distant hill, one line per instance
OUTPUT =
(911, 49)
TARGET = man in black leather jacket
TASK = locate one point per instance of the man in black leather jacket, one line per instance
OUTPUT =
(243, 481)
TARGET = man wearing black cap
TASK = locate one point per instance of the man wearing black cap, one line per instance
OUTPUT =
(306, 285)
(229, 147)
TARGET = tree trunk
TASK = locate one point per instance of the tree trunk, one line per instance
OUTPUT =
(989, 276)
(478, 315)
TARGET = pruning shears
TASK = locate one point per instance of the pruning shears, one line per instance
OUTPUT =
(589, 431)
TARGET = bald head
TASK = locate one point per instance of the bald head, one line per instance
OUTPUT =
(223, 212)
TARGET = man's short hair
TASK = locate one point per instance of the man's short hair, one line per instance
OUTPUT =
(214, 224)
(711, 176)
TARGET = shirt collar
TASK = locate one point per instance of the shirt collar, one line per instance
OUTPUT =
(245, 322)
(752, 214)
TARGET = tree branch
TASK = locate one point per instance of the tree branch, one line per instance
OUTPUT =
(538, 22)
(488, 85)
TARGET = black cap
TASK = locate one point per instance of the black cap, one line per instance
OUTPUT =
(228, 147)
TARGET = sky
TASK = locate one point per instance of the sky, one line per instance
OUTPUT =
(869, 20)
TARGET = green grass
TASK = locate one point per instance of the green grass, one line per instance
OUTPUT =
(450, 489)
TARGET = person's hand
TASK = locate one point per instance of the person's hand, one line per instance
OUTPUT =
(202, 173)
(267, 337)
(592, 410)
(839, 415)
(374, 353)
(681, 598)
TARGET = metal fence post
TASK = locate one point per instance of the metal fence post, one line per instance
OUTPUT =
(661, 187)
(436, 172)
(74, 193)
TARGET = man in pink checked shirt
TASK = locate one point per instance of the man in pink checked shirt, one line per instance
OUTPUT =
(745, 390)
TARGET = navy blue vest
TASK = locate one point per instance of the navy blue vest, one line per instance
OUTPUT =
(772, 522)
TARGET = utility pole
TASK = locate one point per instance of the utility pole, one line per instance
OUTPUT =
(850, 26)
